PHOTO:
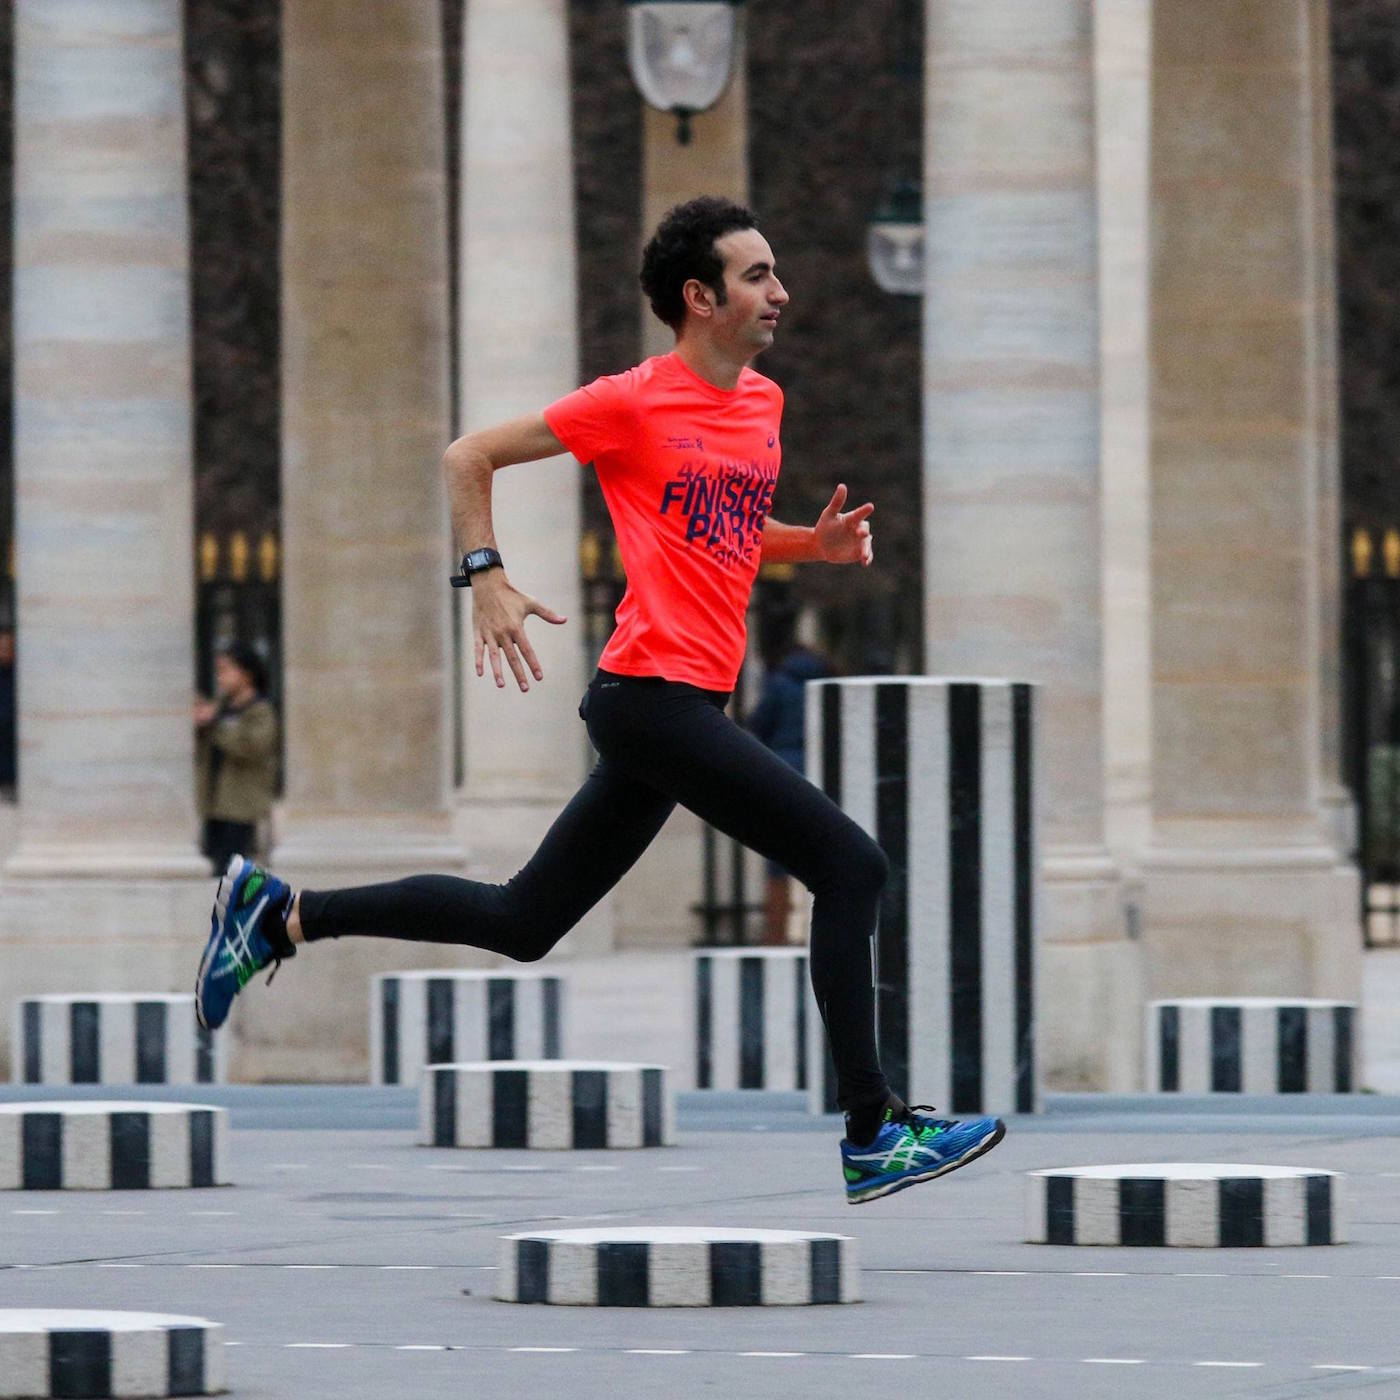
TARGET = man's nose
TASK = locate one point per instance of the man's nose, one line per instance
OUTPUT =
(779, 294)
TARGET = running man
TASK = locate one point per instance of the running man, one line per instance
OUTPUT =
(686, 450)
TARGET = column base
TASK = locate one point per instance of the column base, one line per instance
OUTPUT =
(319, 849)
(1090, 1016)
(1089, 1010)
(312, 1026)
(1251, 921)
(68, 925)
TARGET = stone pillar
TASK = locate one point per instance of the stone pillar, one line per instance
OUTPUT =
(1246, 892)
(1123, 101)
(1012, 510)
(525, 754)
(1338, 807)
(106, 888)
(365, 421)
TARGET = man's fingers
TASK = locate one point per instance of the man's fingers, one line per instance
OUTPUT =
(528, 652)
(838, 499)
(516, 665)
(495, 654)
(862, 512)
(480, 654)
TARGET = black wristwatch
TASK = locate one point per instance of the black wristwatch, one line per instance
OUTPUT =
(476, 561)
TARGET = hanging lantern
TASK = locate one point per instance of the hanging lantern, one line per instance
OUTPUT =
(894, 241)
(681, 53)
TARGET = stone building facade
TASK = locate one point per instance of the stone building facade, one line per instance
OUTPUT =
(1103, 444)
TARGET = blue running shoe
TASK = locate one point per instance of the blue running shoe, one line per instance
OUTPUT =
(910, 1148)
(246, 933)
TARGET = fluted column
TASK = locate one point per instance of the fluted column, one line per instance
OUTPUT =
(524, 753)
(1123, 100)
(103, 503)
(1012, 507)
(365, 419)
(1246, 889)
(519, 352)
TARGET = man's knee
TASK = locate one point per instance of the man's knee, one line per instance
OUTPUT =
(852, 864)
(537, 927)
(869, 866)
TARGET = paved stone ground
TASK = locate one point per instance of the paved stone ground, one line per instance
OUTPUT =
(349, 1262)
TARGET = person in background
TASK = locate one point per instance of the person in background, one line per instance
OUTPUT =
(779, 721)
(237, 747)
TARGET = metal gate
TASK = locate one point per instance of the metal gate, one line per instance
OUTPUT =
(1373, 724)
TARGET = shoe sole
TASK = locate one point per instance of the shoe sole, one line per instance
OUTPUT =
(979, 1150)
(222, 896)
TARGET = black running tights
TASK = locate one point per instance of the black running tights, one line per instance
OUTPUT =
(660, 743)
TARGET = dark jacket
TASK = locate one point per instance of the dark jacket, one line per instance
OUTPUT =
(779, 717)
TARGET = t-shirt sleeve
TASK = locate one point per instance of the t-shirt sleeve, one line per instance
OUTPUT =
(595, 418)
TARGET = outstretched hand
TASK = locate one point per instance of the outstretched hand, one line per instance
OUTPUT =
(498, 619)
(844, 537)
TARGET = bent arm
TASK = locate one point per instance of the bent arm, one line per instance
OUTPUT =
(838, 537)
(469, 463)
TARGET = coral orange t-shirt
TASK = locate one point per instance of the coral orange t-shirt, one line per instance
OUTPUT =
(687, 471)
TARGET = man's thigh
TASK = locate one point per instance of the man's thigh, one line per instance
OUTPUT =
(597, 838)
(730, 779)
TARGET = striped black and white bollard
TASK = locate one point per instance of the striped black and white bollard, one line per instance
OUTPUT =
(939, 772)
(87, 1352)
(751, 1008)
(442, 1017)
(1251, 1045)
(113, 1038)
(673, 1266)
(1203, 1205)
(545, 1104)
(108, 1145)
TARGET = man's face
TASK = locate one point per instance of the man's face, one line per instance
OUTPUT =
(754, 297)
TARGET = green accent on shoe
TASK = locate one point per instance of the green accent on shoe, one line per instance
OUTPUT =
(852, 1174)
(251, 886)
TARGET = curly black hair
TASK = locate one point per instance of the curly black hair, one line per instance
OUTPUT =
(683, 247)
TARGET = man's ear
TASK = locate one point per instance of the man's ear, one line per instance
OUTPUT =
(699, 297)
